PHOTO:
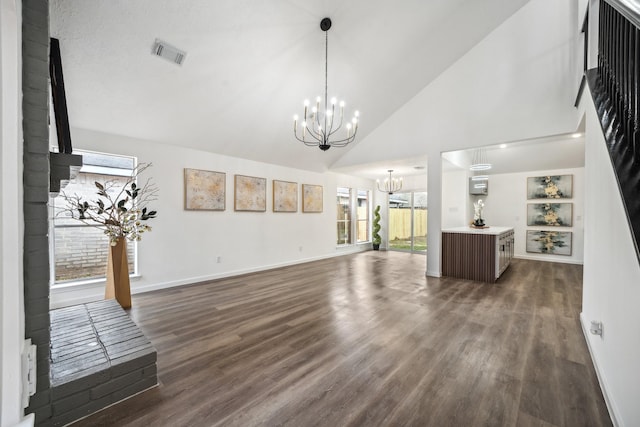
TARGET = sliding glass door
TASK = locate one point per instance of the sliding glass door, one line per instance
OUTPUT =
(408, 222)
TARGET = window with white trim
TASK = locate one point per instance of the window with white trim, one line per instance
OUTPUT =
(353, 204)
(78, 251)
(362, 216)
(344, 209)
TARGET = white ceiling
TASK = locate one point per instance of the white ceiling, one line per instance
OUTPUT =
(250, 64)
(549, 153)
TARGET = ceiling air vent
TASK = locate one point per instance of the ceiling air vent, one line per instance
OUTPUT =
(168, 52)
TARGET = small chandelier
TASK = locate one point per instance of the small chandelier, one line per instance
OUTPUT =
(390, 185)
(480, 162)
(318, 125)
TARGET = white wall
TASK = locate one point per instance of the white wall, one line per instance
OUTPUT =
(506, 205)
(11, 225)
(455, 198)
(414, 183)
(611, 287)
(184, 245)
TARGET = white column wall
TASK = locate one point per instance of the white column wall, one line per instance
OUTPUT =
(11, 223)
(611, 287)
(434, 215)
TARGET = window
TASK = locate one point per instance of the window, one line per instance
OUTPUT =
(344, 216)
(79, 251)
(362, 216)
(408, 222)
(353, 204)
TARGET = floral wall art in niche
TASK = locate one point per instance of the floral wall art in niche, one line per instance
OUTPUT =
(204, 190)
(250, 194)
(550, 187)
(311, 198)
(550, 214)
(549, 242)
(285, 196)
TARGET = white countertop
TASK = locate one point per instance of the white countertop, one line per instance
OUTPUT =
(470, 230)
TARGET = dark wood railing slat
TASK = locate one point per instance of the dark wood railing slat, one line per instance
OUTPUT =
(615, 88)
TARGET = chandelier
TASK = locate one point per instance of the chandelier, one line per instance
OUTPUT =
(479, 162)
(320, 124)
(390, 185)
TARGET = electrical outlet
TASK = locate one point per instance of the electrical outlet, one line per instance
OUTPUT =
(29, 373)
(219, 259)
(300, 248)
(596, 327)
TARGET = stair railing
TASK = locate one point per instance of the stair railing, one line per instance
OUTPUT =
(615, 88)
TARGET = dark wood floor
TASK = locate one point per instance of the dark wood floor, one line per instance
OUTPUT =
(367, 340)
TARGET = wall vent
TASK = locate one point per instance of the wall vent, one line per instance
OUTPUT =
(168, 52)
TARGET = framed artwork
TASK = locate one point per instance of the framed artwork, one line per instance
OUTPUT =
(285, 196)
(550, 187)
(204, 190)
(549, 242)
(311, 198)
(250, 194)
(550, 214)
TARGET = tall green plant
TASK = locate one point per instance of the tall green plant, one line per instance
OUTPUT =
(376, 226)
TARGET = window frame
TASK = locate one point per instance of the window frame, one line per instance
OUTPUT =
(347, 224)
(367, 216)
(354, 220)
(92, 169)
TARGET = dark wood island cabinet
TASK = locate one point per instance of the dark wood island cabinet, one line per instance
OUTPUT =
(481, 254)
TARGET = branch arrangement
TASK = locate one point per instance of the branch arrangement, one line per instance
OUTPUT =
(120, 212)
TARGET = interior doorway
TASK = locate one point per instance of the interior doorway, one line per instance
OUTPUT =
(408, 222)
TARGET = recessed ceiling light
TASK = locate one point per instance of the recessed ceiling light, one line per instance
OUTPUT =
(576, 135)
(503, 145)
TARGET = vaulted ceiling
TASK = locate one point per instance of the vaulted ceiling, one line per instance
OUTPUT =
(250, 64)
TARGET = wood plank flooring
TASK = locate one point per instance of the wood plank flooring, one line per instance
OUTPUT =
(368, 340)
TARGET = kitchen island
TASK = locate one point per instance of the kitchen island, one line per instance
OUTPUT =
(481, 254)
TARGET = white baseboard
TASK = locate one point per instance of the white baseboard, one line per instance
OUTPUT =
(601, 377)
(546, 259)
(430, 273)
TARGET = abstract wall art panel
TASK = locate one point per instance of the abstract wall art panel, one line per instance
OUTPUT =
(550, 214)
(285, 196)
(250, 194)
(311, 198)
(550, 187)
(204, 190)
(549, 242)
